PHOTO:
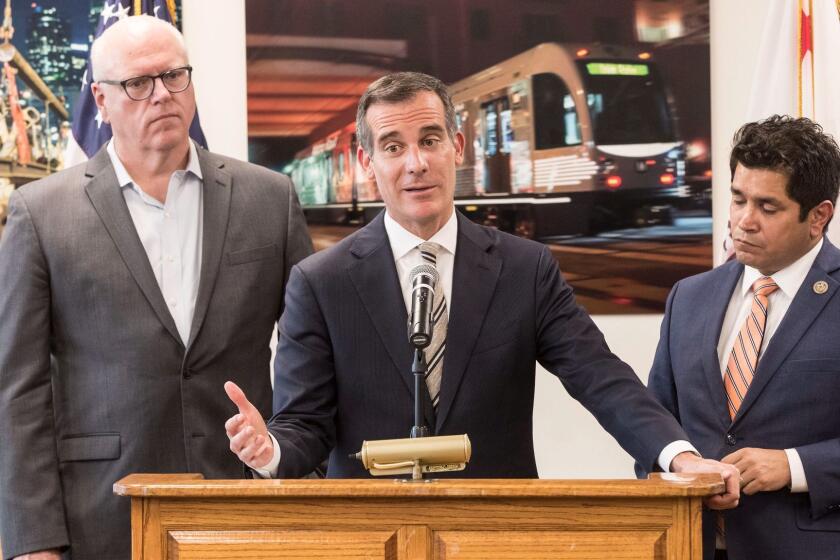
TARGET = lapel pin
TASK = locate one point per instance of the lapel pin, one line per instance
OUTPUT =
(820, 287)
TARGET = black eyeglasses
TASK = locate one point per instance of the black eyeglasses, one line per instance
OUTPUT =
(142, 87)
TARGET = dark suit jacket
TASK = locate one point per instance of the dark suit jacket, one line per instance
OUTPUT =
(126, 394)
(343, 367)
(792, 403)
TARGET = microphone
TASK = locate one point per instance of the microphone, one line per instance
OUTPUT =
(423, 278)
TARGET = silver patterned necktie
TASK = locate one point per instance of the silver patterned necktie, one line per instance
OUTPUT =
(440, 319)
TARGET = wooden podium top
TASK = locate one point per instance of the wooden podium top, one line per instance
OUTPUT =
(194, 485)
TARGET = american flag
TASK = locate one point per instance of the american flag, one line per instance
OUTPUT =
(89, 132)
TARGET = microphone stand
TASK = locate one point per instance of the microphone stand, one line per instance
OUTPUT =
(418, 368)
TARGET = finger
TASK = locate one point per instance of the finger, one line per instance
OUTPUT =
(266, 451)
(241, 440)
(721, 501)
(733, 484)
(733, 457)
(233, 423)
(238, 397)
(752, 487)
(250, 450)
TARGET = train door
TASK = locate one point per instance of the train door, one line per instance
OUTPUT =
(498, 134)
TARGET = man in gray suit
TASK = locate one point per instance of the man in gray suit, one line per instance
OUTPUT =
(131, 287)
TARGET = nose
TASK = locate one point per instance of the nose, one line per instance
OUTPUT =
(746, 219)
(415, 161)
(160, 92)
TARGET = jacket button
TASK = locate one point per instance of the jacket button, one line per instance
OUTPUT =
(730, 439)
(188, 373)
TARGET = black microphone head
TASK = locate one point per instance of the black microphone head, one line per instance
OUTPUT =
(424, 269)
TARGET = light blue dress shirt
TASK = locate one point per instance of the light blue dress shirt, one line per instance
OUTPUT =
(171, 234)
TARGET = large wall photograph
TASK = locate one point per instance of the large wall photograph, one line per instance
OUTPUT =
(587, 124)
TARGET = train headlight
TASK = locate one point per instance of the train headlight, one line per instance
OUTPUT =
(666, 178)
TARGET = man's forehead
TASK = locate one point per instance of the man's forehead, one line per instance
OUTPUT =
(420, 111)
(156, 52)
(761, 184)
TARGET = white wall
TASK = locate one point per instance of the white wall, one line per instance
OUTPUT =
(736, 36)
(569, 441)
(215, 34)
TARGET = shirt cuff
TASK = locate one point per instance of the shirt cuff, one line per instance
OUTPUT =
(666, 457)
(797, 471)
(270, 470)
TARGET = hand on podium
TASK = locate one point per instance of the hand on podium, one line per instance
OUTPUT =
(247, 431)
(688, 462)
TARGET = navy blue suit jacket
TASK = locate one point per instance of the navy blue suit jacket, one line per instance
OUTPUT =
(343, 367)
(793, 402)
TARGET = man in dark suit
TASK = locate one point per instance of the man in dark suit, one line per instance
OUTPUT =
(749, 359)
(343, 368)
(131, 287)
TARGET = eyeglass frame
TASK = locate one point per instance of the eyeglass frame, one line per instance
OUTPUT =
(154, 79)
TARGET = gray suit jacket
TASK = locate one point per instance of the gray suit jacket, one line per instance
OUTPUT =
(95, 382)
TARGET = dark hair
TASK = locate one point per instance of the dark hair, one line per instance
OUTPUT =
(796, 147)
(394, 88)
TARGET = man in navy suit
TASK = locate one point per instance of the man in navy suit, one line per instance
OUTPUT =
(343, 369)
(749, 356)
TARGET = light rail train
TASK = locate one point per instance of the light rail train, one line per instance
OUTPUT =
(560, 140)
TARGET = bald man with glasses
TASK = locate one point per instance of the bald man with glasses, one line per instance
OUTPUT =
(131, 287)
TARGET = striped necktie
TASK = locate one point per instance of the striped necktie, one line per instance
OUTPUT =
(440, 318)
(743, 359)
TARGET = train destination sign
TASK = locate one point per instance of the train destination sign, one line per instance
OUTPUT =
(617, 69)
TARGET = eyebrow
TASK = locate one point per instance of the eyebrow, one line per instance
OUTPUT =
(423, 131)
(431, 128)
(387, 136)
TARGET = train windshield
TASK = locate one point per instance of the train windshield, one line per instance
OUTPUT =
(627, 102)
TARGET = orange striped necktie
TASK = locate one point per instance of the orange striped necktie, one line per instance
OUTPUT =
(743, 359)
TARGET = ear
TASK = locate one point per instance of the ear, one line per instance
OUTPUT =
(99, 98)
(459, 142)
(818, 218)
(366, 162)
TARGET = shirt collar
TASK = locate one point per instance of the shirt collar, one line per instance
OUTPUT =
(790, 278)
(402, 241)
(125, 180)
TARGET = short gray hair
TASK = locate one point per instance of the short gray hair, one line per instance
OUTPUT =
(137, 25)
(394, 88)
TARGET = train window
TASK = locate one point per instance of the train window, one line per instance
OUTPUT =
(506, 130)
(627, 103)
(556, 122)
(491, 138)
(498, 128)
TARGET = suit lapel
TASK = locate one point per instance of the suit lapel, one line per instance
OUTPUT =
(803, 310)
(217, 193)
(108, 201)
(374, 276)
(726, 277)
(475, 275)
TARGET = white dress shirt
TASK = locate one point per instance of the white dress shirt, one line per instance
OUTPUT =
(171, 234)
(789, 279)
(406, 257)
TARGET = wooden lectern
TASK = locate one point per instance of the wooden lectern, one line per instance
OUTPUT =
(183, 517)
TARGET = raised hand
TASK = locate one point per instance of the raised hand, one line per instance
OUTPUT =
(247, 431)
